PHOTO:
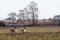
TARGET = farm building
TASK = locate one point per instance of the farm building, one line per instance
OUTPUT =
(8, 22)
(45, 22)
(2, 23)
(56, 19)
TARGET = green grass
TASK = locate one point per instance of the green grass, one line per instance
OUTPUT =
(32, 29)
(31, 37)
(38, 29)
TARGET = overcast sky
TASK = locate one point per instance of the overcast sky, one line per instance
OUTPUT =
(47, 8)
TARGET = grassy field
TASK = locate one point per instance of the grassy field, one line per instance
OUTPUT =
(32, 29)
(30, 37)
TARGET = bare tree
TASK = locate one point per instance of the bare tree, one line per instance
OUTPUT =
(34, 11)
(29, 13)
(26, 14)
(21, 14)
(12, 15)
